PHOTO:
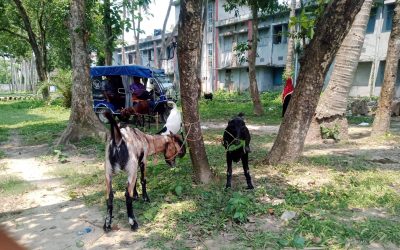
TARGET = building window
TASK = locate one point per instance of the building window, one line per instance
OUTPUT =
(371, 21)
(388, 15)
(263, 36)
(119, 59)
(228, 43)
(363, 73)
(130, 58)
(277, 76)
(210, 21)
(381, 74)
(284, 33)
(279, 35)
(210, 54)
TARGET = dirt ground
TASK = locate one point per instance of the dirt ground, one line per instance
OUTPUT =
(46, 218)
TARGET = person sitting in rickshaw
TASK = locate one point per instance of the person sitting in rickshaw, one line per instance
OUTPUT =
(109, 89)
(138, 89)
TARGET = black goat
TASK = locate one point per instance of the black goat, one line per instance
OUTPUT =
(236, 141)
(208, 96)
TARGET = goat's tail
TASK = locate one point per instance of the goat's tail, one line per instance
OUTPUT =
(115, 131)
(241, 114)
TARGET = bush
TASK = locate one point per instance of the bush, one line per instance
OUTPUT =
(62, 80)
(238, 207)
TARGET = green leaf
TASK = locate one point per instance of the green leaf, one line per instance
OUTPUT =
(283, 242)
(299, 242)
(238, 215)
(178, 190)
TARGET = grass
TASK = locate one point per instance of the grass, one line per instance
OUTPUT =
(36, 122)
(226, 105)
(12, 185)
(359, 119)
(340, 201)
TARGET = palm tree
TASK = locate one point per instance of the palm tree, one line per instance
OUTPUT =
(333, 25)
(382, 118)
(290, 52)
(332, 106)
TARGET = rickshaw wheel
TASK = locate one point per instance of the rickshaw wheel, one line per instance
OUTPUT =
(100, 114)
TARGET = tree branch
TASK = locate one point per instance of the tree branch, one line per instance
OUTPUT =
(15, 34)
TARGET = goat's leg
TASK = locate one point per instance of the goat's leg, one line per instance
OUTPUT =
(228, 171)
(143, 181)
(129, 200)
(245, 163)
(110, 197)
(135, 193)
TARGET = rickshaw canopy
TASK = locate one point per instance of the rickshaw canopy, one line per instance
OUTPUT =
(125, 70)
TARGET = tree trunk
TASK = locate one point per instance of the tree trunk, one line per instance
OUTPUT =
(190, 36)
(331, 29)
(138, 58)
(161, 57)
(290, 51)
(382, 118)
(255, 96)
(123, 35)
(82, 121)
(332, 106)
(108, 32)
(40, 64)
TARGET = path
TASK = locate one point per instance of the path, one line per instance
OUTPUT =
(45, 217)
(256, 129)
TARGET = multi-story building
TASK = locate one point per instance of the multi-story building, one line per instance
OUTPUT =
(221, 68)
(369, 75)
(150, 50)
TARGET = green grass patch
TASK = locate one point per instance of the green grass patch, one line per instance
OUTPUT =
(36, 122)
(359, 119)
(226, 105)
(12, 185)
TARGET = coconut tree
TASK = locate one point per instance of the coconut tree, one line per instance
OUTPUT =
(290, 51)
(331, 28)
(331, 109)
(382, 118)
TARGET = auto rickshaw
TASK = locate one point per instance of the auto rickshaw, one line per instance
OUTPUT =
(111, 89)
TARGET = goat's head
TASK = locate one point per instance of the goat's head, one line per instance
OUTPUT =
(236, 131)
(174, 148)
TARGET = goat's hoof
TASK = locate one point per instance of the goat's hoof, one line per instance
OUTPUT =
(135, 197)
(146, 199)
(135, 226)
(250, 187)
(227, 188)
